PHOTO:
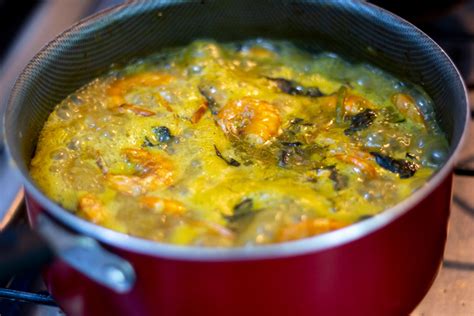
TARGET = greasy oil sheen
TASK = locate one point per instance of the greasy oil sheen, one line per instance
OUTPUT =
(237, 144)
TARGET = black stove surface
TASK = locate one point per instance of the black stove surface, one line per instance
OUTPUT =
(12, 17)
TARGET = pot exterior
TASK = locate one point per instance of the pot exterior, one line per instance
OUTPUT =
(387, 272)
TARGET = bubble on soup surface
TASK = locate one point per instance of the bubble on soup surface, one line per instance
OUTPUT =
(76, 100)
(60, 154)
(63, 114)
(74, 144)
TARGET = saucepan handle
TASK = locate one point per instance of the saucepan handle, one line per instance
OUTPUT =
(23, 248)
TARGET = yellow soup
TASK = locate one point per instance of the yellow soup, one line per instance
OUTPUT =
(237, 144)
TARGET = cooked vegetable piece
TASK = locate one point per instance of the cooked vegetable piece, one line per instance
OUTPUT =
(292, 144)
(101, 164)
(340, 110)
(199, 113)
(162, 133)
(294, 88)
(295, 154)
(211, 103)
(296, 133)
(364, 217)
(135, 109)
(404, 168)
(291, 156)
(360, 121)
(284, 158)
(163, 137)
(297, 121)
(393, 115)
(241, 210)
(148, 143)
(340, 181)
(231, 161)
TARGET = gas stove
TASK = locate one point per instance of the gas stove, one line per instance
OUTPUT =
(453, 290)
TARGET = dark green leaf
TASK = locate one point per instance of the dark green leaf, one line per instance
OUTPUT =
(241, 211)
(404, 168)
(294, 88)
(211, 102)
(340, 110)
(360, 121)
(231, 161)
(162, 133)
(340, 180)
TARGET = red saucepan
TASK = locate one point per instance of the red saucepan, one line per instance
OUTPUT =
(380, 266)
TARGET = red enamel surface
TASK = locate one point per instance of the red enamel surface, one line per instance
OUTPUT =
(385, 273)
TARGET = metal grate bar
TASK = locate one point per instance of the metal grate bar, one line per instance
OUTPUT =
(35, 298)
(464, 172)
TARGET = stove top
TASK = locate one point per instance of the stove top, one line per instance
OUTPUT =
(453, 290)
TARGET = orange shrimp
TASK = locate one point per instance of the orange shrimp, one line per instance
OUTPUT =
(253, 118)
(149, 164)
(353, 104)
(361, 161)
(406, 105)
(307, 228)
(152, 172)
(119, 88)
(161, 204)
(92, 208)
(169, 206)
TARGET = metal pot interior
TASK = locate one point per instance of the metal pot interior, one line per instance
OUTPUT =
(356, 30)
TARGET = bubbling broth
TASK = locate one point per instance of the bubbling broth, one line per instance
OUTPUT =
(237, 144)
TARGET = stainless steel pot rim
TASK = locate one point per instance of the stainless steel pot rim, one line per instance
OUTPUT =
(300, 247)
